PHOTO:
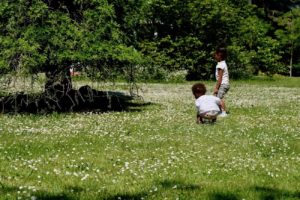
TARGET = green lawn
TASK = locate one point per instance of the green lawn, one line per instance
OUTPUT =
(157, 151)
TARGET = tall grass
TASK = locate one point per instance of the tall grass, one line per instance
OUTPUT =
(157, 151)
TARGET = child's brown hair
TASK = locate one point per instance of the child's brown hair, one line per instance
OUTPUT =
(199, 88)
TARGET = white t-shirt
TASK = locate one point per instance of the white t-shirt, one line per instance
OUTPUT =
(207, 103)
(225, 78)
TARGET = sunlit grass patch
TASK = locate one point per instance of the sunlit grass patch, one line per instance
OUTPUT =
(158, 151)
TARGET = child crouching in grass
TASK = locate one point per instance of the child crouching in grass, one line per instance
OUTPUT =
(208, 106)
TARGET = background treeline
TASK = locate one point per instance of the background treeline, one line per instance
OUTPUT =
(150, 39)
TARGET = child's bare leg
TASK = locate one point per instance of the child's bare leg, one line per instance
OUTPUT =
(201, 120)
(223, 107)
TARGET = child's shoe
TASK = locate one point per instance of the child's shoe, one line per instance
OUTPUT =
(223, 114)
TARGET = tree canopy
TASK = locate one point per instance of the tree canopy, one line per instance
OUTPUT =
(155, 37)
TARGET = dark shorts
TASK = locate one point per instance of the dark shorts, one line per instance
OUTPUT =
(223, 90)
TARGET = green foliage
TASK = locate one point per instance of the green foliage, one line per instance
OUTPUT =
(154, 37)
(185, 37)
(289, 36)
(267, 56)
(35, 36)
(239, 60)
(19, 50)
(257, 50)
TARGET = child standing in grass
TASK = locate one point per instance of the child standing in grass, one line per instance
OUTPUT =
(222, 76)
(208, 106)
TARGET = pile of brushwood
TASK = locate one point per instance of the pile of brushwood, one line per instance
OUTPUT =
(60, 99)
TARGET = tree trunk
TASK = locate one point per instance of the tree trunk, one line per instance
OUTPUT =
(58, 78)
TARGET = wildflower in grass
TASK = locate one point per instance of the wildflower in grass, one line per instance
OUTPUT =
(85, 177)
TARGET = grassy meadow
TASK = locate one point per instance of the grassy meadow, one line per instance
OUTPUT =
(157, 151)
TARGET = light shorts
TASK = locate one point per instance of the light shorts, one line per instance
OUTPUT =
(212, 114)
(223, 90)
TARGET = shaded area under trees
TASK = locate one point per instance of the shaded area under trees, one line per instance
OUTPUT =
(57, 99)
